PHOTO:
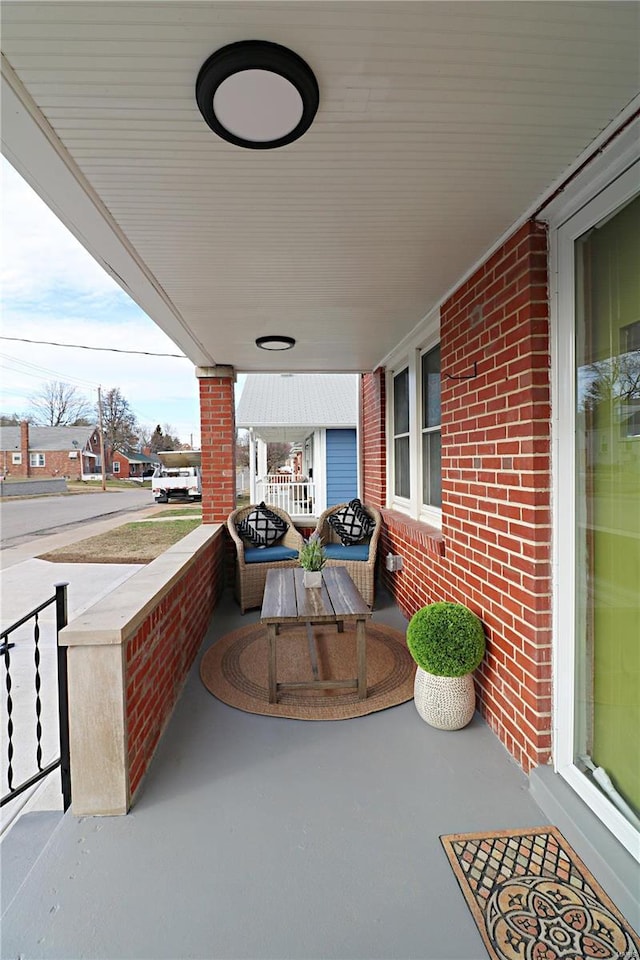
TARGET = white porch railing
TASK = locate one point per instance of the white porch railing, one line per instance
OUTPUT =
(296, 496)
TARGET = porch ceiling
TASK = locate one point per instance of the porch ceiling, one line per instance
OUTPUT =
(439, 125)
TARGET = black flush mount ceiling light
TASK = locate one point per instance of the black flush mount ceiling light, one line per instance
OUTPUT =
(275, 343)
(257, 94)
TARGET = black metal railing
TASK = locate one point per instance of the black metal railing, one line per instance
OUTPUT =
(62, 761)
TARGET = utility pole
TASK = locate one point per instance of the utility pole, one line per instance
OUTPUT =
(101, 432)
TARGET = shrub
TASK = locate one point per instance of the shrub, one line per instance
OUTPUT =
(446, 639)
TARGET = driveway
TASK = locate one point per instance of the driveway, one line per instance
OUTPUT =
(28, 519)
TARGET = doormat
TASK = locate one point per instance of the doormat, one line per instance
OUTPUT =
(532, 898)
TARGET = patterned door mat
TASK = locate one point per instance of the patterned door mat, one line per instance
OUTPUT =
(532, 898)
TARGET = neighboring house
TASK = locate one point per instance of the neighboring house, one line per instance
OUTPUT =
(137, 465)
(318, 415)
(28, 451)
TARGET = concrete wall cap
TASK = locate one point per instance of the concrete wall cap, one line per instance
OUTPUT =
(220, 370)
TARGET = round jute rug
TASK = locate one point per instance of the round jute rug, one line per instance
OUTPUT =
(235, 671)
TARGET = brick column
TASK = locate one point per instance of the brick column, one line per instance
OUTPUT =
(373, 434)
(218, 442)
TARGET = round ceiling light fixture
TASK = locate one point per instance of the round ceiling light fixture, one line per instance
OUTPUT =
(257, 94)
(275, 343)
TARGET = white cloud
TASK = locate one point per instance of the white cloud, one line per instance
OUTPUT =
(52, 289)
(39, 252)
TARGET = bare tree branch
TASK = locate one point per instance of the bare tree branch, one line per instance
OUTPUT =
(58, 404)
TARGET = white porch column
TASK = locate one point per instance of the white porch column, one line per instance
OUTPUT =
(320, 470)
(262, 458)
(252, 467)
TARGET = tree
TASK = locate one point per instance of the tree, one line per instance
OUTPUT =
(277, 453)
(614, 378)
(242, 450)
(118, 422)
(58, 404)
(164, 439)
(144, 436)
(14, 419)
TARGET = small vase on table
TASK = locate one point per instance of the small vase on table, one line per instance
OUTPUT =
(312, 578)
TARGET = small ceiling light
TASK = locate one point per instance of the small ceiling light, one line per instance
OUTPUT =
(275, 343)
(257, 94)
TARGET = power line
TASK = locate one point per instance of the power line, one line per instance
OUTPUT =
(83, 346)
(34, 370)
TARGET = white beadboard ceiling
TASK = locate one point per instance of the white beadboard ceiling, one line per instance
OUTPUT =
(439, 125)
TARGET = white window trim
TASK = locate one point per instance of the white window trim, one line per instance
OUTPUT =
(428, 513)
(34, 460)
(116, 466)
(16, 459)
(396, 502)
(568, 224)
(424, 338)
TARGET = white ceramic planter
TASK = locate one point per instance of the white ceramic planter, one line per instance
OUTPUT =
(312, 578)
(447, 703)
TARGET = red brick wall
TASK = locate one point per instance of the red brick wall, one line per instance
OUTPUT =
(218, 442)
(161, 652)
(120, 458)
(57, 464)
(494, 550)
(15, 471)
(374, 479)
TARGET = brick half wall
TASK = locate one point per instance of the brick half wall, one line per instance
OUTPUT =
(161, 652)
(129, 657)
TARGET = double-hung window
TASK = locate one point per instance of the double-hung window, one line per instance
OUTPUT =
(36, 460)
(430, 429)
(401, 436)
(414, 423)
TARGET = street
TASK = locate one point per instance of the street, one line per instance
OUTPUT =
(28, 519)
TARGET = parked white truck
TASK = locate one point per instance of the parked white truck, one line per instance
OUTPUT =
(177, 476)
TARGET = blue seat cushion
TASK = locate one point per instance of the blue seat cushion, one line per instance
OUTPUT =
(355, 551)
(269, 554)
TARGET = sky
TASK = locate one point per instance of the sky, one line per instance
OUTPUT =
(52, 289)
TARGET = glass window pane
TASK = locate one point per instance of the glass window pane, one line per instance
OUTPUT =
(608, 504)
(431, 469)
(431, 388)
(401, 402)
(401, 461)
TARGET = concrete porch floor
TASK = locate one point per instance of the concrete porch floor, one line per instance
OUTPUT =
(258, 837)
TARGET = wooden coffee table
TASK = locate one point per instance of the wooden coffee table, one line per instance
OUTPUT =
(287, 601)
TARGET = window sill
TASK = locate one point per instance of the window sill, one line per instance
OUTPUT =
(429, 538)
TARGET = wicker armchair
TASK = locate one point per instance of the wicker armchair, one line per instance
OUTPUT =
(363, 571)
(250, 577)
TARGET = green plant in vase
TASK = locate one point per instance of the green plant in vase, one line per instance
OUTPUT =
(447, 642)
(312, 559)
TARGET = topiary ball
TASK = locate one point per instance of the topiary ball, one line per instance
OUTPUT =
(446, 639)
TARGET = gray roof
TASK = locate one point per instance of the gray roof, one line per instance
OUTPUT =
(140, 458)
(46, 438)
(298, 400)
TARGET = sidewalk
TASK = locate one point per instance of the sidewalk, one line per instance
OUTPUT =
(25, 583)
